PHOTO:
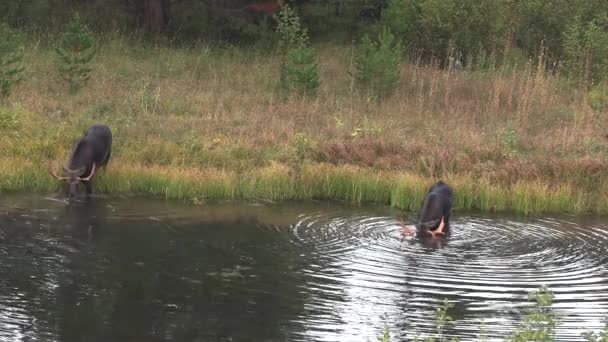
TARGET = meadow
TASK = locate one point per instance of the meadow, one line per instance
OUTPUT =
(207, 123)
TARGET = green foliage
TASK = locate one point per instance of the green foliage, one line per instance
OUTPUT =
(543, 21)
(602, 336)
(586, 49)
(9, 119)
(510, 138)
(301, 71)
(442, 319)
(386, 335)
(299, 67)
(597, 98)
(378, 64)
(74, 54)
(11, 58)
(366, 129)
(401, 17)
(540, 321)
(40, 12)
(303, 148)
(291, 32)
(441, 28)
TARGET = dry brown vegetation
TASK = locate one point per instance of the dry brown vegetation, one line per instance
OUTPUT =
(219, 109)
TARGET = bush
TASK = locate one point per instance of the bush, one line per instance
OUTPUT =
(602, 336)
(9, 119)
(378, 64)
(441, 28)
(299, 68)
(11, 57)
(539, 324)
(74, 54)
(586, 50)
(401, 16)
(597, 98)
(301, 71)
(290, 30)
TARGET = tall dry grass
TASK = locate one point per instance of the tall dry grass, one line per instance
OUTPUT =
(516, 132)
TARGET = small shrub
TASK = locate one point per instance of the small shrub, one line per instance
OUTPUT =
(539, 324)
(11, 57)
(290, 30)
(378, 64)
(586, 50)
(386, 335)
(597, 98)
(442, 319)
(8, 119)
(303, 148)
(74, 53)
(510, 138)
(366, 129)
(602, 336)
(299, 68)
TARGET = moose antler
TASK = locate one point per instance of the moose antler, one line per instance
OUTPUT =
(53, 173)
(90, 175)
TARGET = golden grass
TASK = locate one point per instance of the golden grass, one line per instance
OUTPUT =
(208, 123)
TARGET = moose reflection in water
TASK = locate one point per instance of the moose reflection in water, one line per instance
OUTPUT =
(91, 152)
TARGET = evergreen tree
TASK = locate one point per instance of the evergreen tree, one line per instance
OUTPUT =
(11, 58)
(75, 52)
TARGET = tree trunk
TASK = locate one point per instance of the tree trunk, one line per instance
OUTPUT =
(154, 16)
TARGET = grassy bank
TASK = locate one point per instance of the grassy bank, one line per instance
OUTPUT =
(314, 181)
(207, 123)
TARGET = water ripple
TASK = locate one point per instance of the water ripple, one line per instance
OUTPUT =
(487, 266)
(151, 270)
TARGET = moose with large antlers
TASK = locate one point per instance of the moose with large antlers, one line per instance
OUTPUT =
(91, 152)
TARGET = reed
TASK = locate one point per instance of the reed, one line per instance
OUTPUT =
(280, 182)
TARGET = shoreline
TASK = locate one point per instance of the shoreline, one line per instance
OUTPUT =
(280, 182)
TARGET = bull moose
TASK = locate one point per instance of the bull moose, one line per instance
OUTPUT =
(435, 213)
(91, 152)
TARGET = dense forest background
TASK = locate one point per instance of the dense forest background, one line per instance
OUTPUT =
(572, 34)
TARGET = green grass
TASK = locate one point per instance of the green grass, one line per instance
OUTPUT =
(279, 182)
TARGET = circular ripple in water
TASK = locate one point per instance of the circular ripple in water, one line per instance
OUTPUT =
(363, 274)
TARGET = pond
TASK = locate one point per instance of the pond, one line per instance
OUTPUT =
(129, 269)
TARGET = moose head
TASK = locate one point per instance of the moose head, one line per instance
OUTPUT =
(72, 177)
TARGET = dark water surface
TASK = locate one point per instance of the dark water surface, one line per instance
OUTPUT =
(148, 270)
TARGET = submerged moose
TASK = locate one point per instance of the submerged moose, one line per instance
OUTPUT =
(435, 213)
(91, 152)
